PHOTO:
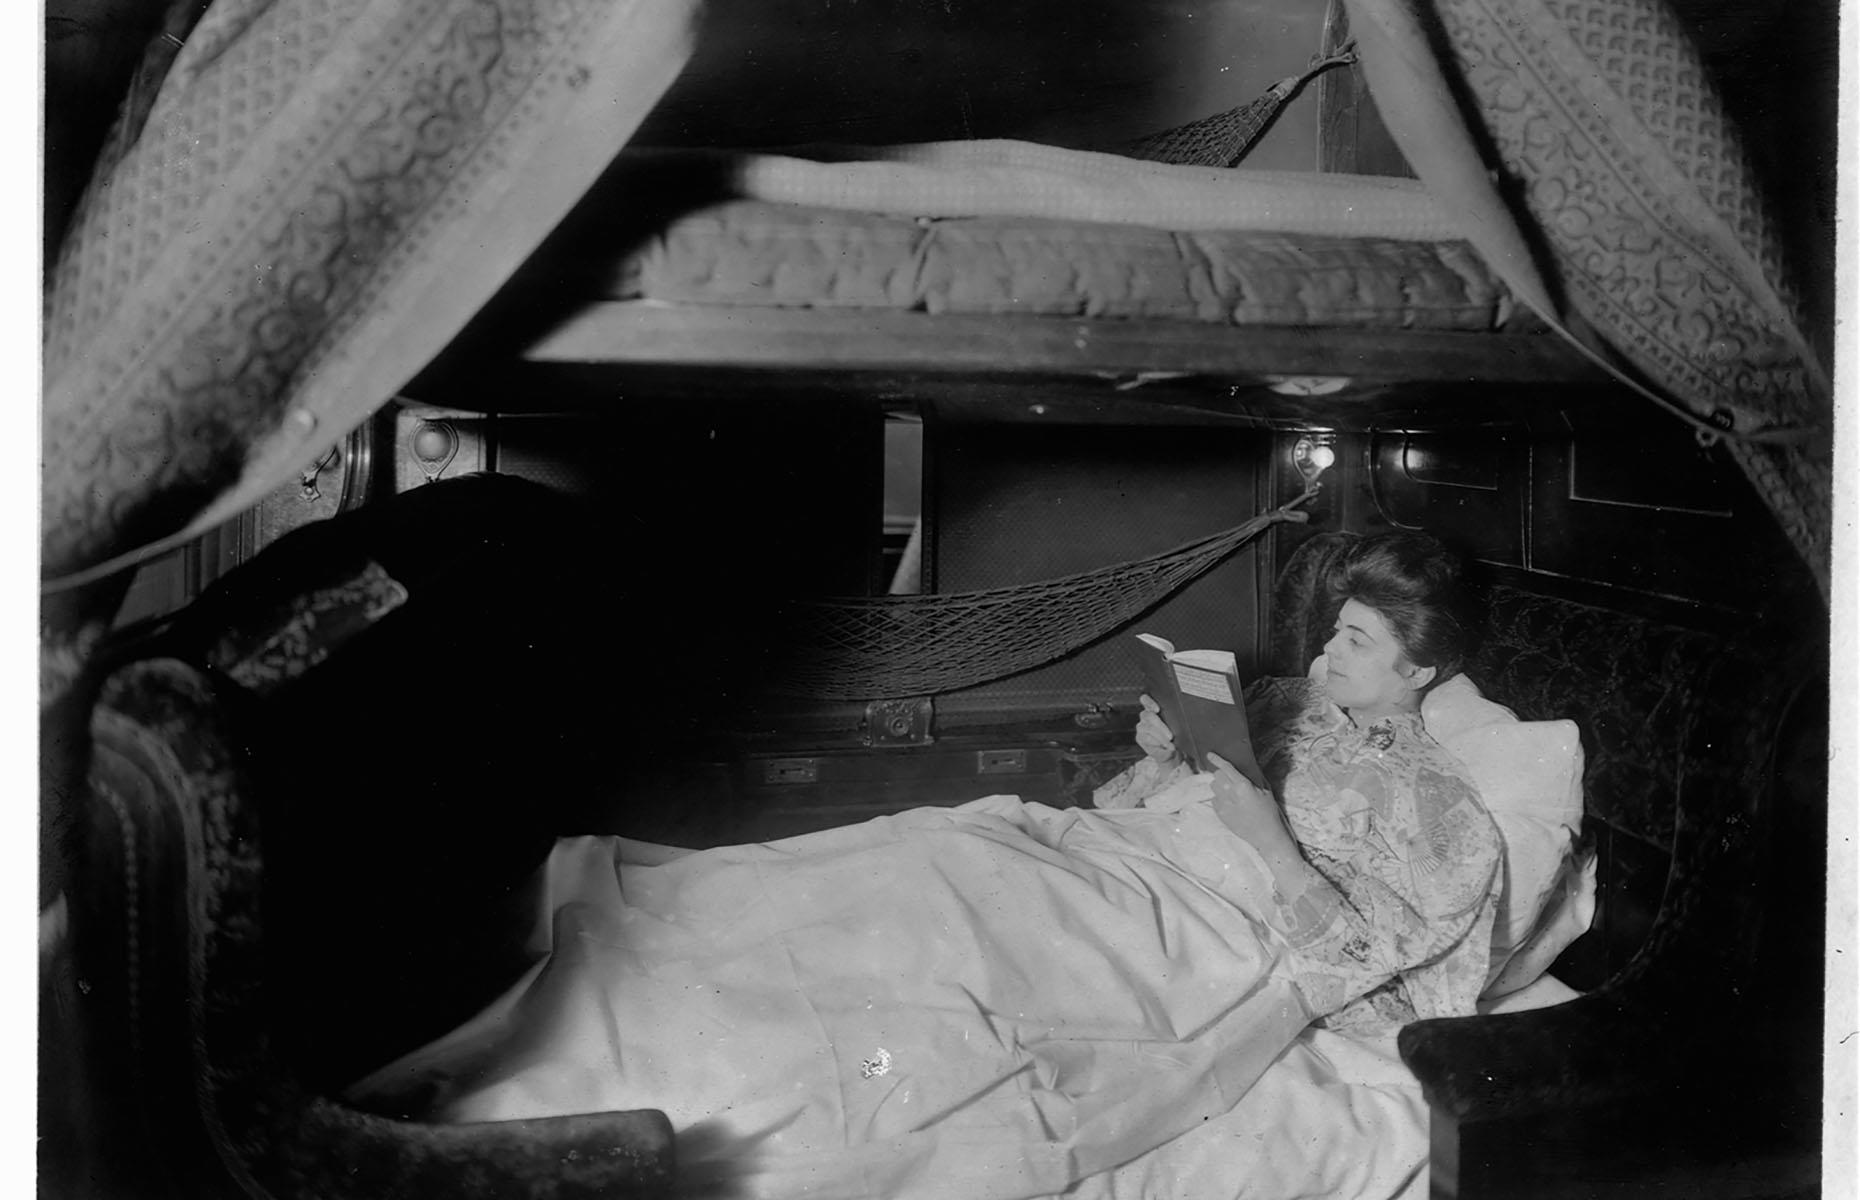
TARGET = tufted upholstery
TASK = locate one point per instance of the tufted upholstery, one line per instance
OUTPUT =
(1679, 727)
(1636, 687)
(169, 944)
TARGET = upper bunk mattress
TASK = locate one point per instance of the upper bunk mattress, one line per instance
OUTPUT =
(777, 255)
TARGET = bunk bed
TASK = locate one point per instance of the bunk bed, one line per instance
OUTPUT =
(1260, 290)
(1343, 303)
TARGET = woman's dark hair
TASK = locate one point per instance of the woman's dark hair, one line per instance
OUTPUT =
(1412, 580)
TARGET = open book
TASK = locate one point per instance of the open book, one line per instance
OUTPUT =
(1199, 694)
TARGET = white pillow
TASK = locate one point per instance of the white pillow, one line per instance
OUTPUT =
(1529, 773)
(1565, 918)
(1530, 776)
(1548, 990)
(1457, 706)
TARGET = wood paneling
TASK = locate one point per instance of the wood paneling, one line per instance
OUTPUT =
(1351, 136)
(620, 332)
(1655, 512)
(1466, 486)
(1637, 505)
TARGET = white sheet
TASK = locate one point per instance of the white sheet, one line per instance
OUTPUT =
(1074, 998)
(1334, 1117)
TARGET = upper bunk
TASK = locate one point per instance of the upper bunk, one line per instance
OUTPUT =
(1061, 267)
(1277, 263)
(247, 280)
(1150, 292)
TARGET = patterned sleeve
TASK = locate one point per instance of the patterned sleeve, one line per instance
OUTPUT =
(1406, 896)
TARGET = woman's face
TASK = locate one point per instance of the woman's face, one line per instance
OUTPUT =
(1369, 674)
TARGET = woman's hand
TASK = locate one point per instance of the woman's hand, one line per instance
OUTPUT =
(1249, 810)
(1153, 733)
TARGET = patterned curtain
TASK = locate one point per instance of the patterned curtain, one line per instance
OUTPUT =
(1615, 153)
(314, 200)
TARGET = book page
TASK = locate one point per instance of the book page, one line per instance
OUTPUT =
(1207, 660)
(1160, 643)
(1209, 685)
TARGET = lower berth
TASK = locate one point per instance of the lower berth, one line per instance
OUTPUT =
(998, 1000)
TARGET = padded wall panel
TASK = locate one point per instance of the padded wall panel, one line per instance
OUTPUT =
(1016, 504)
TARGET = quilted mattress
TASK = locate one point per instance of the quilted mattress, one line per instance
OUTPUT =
(764, 254)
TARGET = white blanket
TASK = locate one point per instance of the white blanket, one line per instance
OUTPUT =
(999, 1000)
(998, 178)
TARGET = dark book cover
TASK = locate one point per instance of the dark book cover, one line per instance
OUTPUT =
(1200, 697)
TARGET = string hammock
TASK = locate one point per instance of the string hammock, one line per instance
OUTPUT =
(1223, 139)
(880, 647)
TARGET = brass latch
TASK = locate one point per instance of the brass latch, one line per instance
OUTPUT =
(899, 722)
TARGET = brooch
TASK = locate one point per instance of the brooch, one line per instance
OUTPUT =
(1381, 735)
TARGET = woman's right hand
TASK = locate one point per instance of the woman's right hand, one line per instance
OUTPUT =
(1153, 733)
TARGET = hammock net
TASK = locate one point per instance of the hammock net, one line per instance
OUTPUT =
(1223, 139)
(890, 647)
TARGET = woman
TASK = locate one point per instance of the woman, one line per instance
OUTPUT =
(1006, 999)
(1384, 861)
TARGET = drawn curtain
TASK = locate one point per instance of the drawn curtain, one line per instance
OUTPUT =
(309, 201)
(1618, 202)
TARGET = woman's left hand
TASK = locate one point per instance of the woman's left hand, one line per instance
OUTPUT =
(1247, 809)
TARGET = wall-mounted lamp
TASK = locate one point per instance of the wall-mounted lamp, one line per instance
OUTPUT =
(434, 445)
(1313, 454)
